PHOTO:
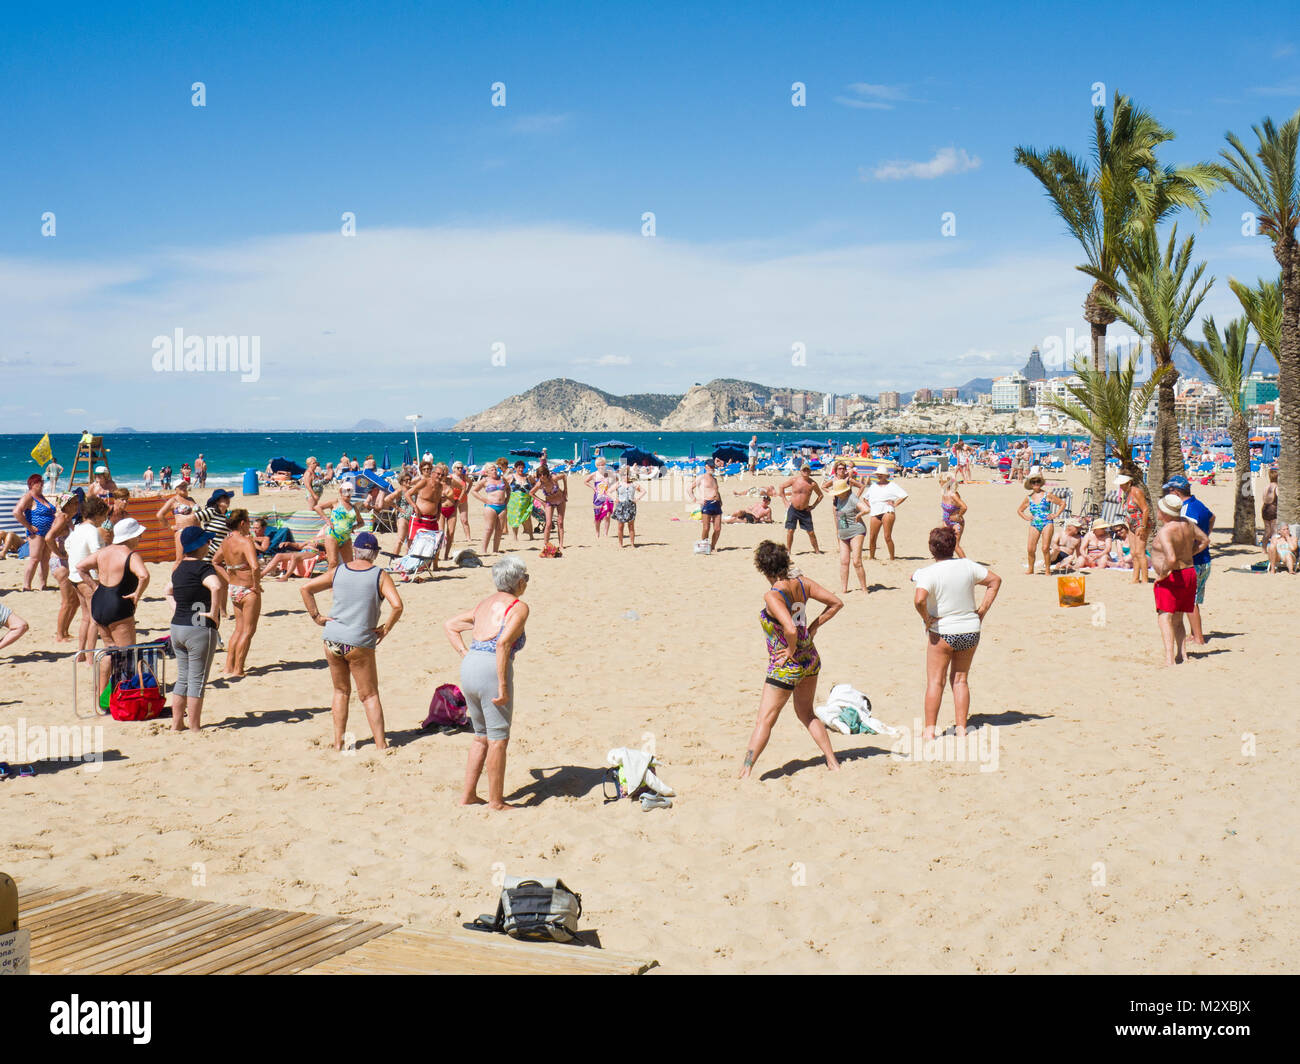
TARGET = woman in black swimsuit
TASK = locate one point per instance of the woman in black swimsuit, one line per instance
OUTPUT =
(119, 587)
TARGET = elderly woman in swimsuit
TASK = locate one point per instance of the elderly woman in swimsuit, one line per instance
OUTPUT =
(340, 520)
(36, 514)
(793, 661)
(1041, 509)
(117, 578)
(494, 492)
(182, 507)
(487, 676)
(1138, 515)
(237, 557)
(552, 491)
(953, 507)
(601, 484)
(454, 487)
(1094, 551)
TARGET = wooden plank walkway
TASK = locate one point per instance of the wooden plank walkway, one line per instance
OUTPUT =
(424, 951)
(109, 932)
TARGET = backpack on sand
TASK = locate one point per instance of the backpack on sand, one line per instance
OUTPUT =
(446, 708)
(540, 910)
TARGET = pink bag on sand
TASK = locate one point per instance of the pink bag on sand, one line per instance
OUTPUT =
(447, 707)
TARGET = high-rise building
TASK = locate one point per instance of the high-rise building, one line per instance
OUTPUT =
(888, 401)
(1010, 393)
(923, 395)
(951, 395)
(1260, 389)
(1034, 369)
(798, 403)
(841, 405)
(828, 405)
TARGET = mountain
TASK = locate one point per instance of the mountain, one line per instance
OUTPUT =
(369, 425)
(562, 405)
(717, 403)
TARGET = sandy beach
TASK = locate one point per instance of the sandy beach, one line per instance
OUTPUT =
(1125, 826)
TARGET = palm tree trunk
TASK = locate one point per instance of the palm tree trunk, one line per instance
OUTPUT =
(1097, 450)
(1288, 384)
(1243, 510)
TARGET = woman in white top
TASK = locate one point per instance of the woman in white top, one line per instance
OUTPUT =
(79, 544)
(945, 601)
(883, 497)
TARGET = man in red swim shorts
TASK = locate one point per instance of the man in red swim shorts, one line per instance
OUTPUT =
(1177, 541)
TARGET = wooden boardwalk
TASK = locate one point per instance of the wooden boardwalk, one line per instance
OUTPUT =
(109, 932)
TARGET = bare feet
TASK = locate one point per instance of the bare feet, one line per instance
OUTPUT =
(503, 807)
(476, 800)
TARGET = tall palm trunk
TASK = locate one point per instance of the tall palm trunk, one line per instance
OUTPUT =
(1243, 509)
(1097, 447)
(1288, 384)
(1167, 445)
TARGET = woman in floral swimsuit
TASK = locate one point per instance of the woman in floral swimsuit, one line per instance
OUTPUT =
(793, 662)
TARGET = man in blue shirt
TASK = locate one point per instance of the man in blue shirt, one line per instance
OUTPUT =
(1200, 514)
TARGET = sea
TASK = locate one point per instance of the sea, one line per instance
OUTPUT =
(230, 454)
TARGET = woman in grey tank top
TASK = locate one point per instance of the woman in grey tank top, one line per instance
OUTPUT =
(352, 631)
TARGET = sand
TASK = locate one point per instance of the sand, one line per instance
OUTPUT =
(1126, 827)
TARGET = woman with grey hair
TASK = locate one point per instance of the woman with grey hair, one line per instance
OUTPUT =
(487, 675)
(352, 631)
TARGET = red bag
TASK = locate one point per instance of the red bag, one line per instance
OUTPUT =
(447, 707)
(136, 698)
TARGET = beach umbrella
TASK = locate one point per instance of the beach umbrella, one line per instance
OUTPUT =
(406, 453)
(618, 445)
(469, 456)
(586, 451)
(386, 462)
(636, 456)
(524, 452)
(692, 455)
(730, 454)
(806, 443)
(733, 443)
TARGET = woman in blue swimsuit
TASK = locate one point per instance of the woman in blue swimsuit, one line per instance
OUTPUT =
(493, 491)
(1041, 509)
(36, 514)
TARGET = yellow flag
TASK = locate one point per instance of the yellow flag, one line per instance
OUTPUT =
(41, 453)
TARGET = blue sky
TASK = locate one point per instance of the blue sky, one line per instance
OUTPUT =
(521, 225)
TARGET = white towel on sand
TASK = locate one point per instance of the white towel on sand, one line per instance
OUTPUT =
(638, 770)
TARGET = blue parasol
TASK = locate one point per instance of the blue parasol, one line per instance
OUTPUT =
(387, 465)
(616, 444)
(586, 451)
(469, 457)
(524, 452)
(692, 455)
(636, 456)
(730, 454)
(406, 453)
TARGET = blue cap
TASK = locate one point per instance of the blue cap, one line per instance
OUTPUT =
(366, 541)
(193, 537)
(1178, 482)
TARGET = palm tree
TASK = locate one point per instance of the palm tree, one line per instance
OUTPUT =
(1270, 179)
(1107, 406)
(1223, 357)
(1158, 300)
(1263, 308)
(1106, 205)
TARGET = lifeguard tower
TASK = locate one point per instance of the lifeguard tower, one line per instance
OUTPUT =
(91, 452)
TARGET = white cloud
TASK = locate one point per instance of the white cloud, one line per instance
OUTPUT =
(865, 96)
(540, 123)
(972, 355)
(946, 161)
(604, 360)
(414, 313)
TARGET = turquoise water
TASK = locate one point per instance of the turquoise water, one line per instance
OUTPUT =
(229, 454)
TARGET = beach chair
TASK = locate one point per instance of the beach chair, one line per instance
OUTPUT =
(421, 557)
